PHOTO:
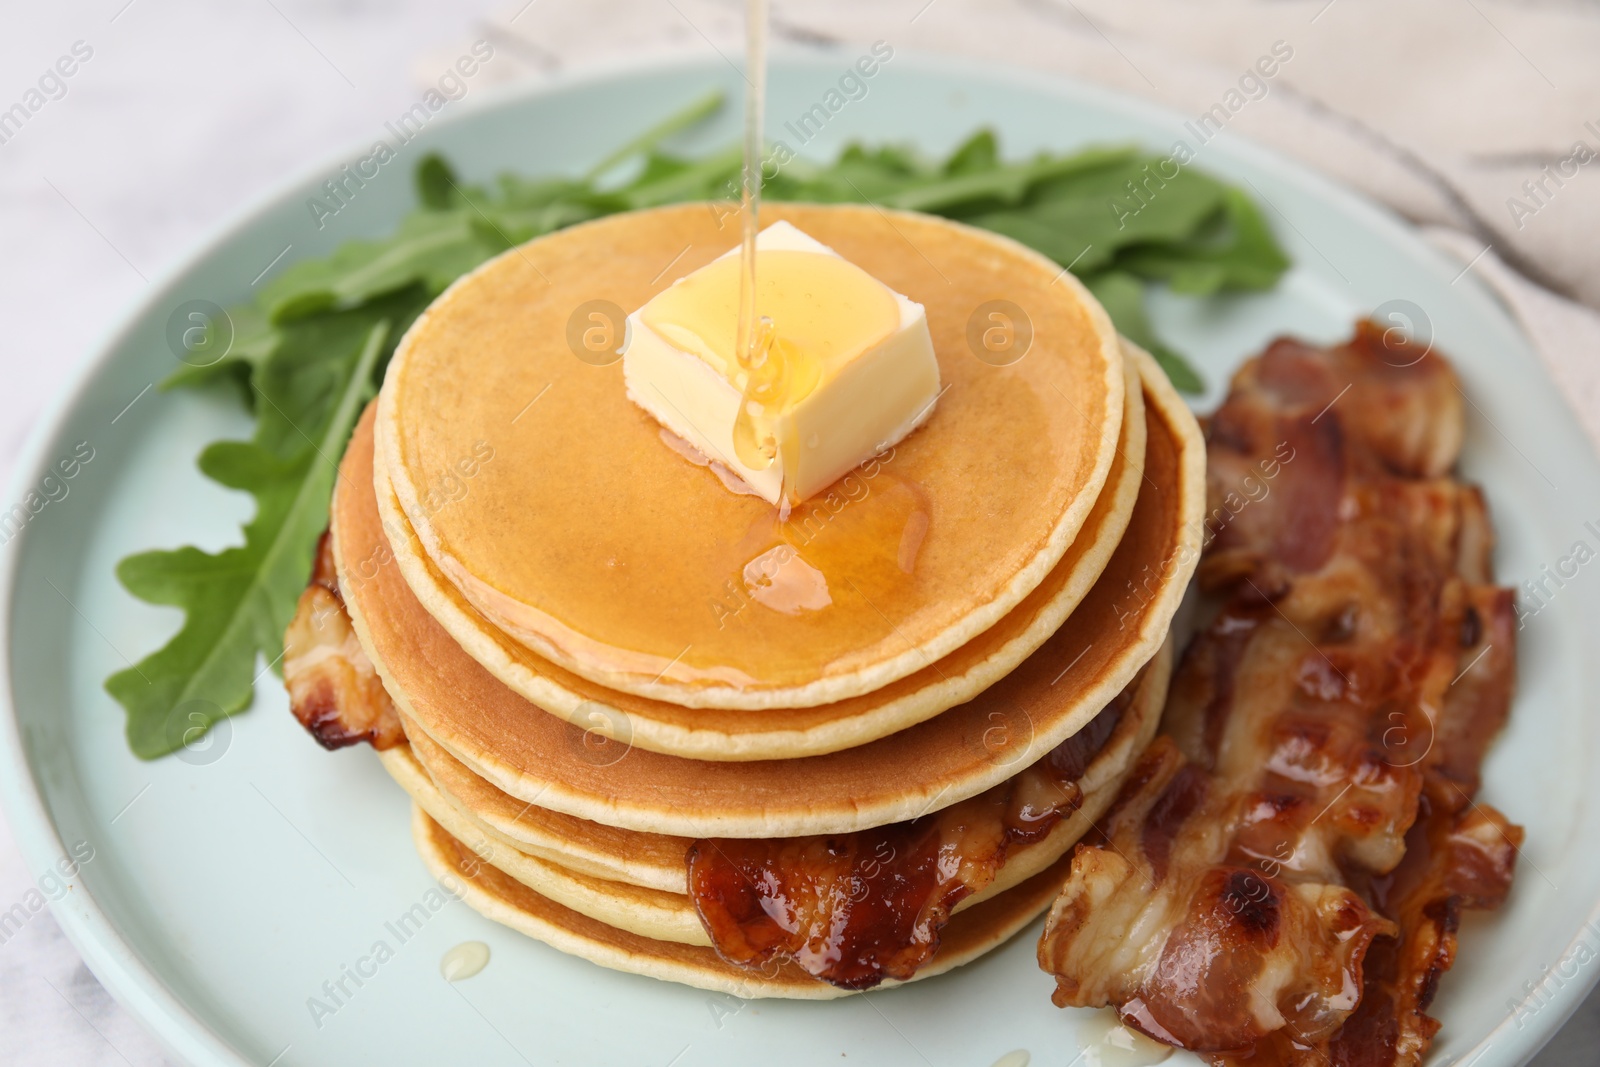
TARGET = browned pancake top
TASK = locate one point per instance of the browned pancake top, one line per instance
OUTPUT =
(535, 756)
(586, 537)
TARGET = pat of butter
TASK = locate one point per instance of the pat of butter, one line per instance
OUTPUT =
(861, 351)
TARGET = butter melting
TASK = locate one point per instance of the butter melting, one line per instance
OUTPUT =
(753, 341)
(817, 313)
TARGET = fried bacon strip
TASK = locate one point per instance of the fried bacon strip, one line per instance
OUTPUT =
(333, 689)
(854, 909)
(1281, 879)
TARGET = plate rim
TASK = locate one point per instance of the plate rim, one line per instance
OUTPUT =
(132, 981)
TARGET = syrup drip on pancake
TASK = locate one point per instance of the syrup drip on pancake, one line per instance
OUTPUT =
(855, 909)
(860, 538)
(1281, 879)
(864, 532)
(730, 481)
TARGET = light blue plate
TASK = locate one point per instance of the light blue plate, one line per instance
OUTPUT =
(225, 891)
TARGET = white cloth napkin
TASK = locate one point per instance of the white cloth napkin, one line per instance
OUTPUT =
(1442, 109)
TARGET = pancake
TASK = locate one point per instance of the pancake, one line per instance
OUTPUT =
(498, 896)
(536, 758)
(653, 913)
(783, 733)
(495, 825)
(653, 861)
(671, 916)
(553, 505)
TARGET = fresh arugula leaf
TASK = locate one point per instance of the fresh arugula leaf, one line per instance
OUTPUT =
(433, 247)
(976, 154)
(252, 341)
(667, 181)
(1234, 250)
(647, 142)
(239, 601)
(1081, 218)
(1122, 295)
(1033, 182)
(436, 183)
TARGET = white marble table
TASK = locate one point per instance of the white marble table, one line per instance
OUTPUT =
(184, 111)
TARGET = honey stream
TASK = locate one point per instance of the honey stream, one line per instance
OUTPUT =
(753, 438)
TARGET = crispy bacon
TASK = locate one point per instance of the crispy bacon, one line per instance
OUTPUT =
(1302, 424)
(854, 909)
(1208, 956)
(1280, 881)
(333, 689)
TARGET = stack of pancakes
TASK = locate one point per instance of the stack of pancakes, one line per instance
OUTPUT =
(601, 650)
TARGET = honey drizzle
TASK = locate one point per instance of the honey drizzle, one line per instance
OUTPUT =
(774, 372)
(752, 432)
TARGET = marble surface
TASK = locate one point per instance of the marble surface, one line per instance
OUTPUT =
(184, 112)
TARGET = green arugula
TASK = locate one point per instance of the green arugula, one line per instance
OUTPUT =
(310, 351)
(239, 601)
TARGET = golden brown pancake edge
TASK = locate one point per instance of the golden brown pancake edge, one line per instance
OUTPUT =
(517, 549)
